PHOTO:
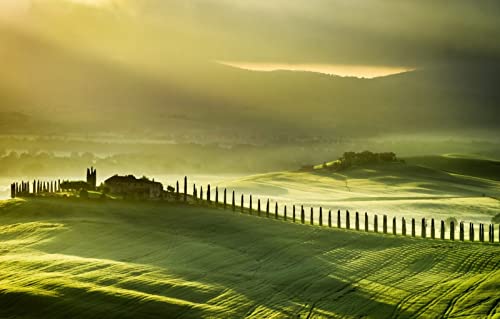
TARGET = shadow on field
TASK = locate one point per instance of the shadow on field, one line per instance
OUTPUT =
(146, 260)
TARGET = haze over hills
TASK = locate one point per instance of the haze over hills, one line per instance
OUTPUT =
(83, 68)
(249, 158)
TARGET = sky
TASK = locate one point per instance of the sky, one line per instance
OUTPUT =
(193, 64)
(405, 33)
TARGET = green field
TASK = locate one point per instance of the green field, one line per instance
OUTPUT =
(432, 187)
(65, 258)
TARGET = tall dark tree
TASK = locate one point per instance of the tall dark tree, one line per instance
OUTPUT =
(321, 216)
(267, 208)
(394, 230)
(216, 195)
(242, 203)
(250, 205)
(225, 198)
(424, 227)
(185, 188)
(347, 220)
(433, 230)
(234, 202)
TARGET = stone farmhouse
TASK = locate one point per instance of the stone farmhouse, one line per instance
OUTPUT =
(133, 188)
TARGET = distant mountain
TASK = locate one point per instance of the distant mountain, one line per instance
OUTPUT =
(86, 92)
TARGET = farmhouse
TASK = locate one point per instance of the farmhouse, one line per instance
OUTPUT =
(131, 187)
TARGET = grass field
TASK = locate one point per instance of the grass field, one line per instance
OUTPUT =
(63, 258)
(432, 187)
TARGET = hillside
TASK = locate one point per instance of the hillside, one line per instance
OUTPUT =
(62, 258)
(395, 189)
(469, 166)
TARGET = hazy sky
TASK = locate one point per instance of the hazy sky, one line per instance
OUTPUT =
(380, 32)
(156, 61)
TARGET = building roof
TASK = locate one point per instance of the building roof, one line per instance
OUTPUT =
(129, 179)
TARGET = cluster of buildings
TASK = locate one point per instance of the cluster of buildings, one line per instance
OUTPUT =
(128, 186)
(131, 187)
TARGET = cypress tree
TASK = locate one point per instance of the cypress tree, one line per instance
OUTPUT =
(339, 223)
(276, 210)
(347, 220)
(403, 226)
(433, 230)
(452, 230)
(330, 218)
(366, 222)
(242, 204)
(375, 223)
(471, 231)
(208, 193)
(267, 208)
(302, 214)
(442, 230)
(285, 212)
(413, 227)
(384, 224)
(250, 208)
(394, 230)
(216, 195)
(258, 206)
(201, 193)
(423, 228)
(321, 216)
(185, 188)
(312, 216)
(234, 202)
(225, 198)
(357, 221)
(293, 213)
(462, 236)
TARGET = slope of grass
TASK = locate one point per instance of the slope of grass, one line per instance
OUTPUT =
(394, 189)
(460, 164)
(63, 258)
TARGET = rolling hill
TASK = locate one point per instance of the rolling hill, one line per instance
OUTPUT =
(69, 258)
(449, 188)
